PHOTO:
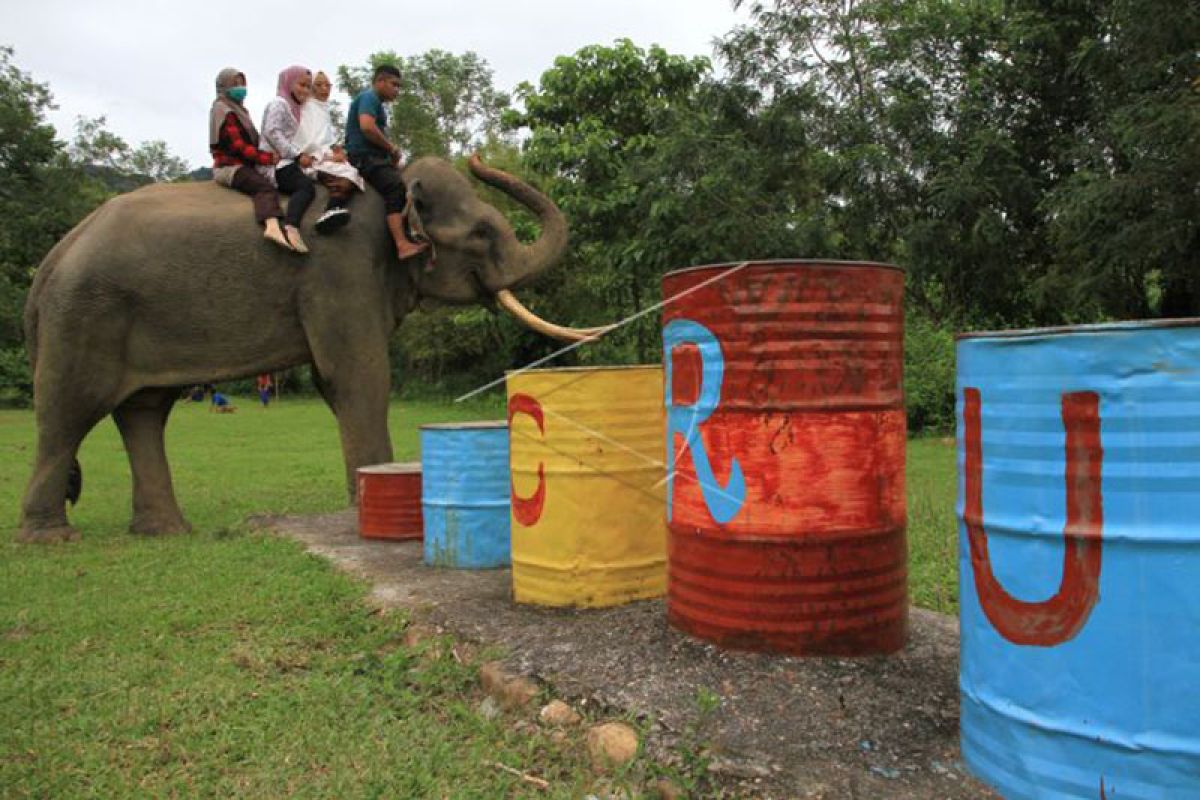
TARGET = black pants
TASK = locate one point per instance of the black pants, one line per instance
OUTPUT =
(380, 172)
(291, 179)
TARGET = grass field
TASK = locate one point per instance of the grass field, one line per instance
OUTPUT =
(225, 663)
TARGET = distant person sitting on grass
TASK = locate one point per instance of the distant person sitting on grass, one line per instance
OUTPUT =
(221, 404)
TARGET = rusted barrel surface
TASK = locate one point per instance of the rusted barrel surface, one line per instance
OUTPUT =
(1079, 554)
(389, 501)
(786, 437)
(587, 485)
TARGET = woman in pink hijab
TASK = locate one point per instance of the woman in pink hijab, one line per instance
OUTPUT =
(280, 121)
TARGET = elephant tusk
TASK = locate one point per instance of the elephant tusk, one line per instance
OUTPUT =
(509, 302)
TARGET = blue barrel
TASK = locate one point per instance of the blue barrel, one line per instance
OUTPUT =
(464, 494)
(1079, 534)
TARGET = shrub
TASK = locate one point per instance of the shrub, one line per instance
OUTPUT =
(928, 375)
(16, 379)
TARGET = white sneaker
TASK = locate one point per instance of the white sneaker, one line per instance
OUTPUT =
(332, 219)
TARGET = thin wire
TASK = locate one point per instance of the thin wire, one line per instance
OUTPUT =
(602, 437)
(611, 328)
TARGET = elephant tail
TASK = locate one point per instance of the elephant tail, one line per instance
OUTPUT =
(74, 482)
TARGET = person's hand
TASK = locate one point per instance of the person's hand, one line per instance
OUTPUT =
(305, 160)
(338, 155)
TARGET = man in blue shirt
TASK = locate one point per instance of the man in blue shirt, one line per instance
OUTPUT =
(376, 158)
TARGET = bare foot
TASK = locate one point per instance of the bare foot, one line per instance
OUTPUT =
(293, 237)
(273, 233)
(406, 249)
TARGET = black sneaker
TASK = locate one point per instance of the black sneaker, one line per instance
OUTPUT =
(333, 219)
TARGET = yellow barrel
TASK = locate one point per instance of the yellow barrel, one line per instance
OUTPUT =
(588, 492)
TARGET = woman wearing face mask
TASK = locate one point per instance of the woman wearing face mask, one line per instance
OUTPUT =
(234, 144)
(281, 119)
(318, 137)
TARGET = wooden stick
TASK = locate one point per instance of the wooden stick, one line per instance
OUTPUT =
(532, 779)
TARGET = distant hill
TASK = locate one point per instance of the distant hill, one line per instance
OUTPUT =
(200, 174)
(115, 180)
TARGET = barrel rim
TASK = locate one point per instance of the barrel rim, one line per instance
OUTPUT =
(604, 368)
(489, 424)
(1096, 327)
(391, 468)
(833, 263)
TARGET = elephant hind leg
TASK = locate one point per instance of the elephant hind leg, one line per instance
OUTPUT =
(141, 419)
(61, 428)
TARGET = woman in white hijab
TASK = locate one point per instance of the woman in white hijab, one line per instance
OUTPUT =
(317, 137)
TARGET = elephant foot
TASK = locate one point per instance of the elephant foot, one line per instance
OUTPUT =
(157, 526)
(51, 535)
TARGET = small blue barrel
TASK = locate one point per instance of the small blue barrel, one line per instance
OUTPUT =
(464, 494)
(1079, 533)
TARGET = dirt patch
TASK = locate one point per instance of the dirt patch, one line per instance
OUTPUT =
(780, 727)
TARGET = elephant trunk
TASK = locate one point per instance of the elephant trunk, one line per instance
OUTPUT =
(521, 262)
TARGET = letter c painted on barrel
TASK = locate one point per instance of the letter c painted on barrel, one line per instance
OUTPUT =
(528, 510)
(1058, 619)
(723, 502)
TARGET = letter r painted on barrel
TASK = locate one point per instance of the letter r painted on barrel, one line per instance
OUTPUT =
(723, 502)
(528, 510)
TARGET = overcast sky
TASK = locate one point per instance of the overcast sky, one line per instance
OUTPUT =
(149, 65)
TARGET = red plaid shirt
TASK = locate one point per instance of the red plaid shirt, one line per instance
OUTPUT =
(233, 150)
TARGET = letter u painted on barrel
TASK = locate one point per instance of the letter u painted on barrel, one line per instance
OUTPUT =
(1058, 619)
(723, 502)
(528, 510)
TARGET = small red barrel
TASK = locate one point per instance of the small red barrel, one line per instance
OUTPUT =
(786, 446)
(389, 501)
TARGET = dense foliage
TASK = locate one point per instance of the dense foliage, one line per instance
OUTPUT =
(1027, 161)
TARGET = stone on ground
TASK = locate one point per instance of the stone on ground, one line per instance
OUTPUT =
(611, 744)
(557, 714)
(510, 691)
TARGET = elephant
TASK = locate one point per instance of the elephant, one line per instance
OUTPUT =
(170, 286)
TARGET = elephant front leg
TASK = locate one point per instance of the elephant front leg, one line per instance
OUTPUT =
(359, 397)
(142, 420)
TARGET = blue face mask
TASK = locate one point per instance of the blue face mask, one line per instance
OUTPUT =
(237, 94)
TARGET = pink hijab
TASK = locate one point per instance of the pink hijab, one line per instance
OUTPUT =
(287, 79)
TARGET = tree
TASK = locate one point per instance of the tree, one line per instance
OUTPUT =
(42, 195)
(597, 123)
(447, 105)
(1131, 209)
(120, 166)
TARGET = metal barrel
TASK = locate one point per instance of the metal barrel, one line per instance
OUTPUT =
(1079, 543)
(389, 501)
(786, 445)
(464, 494)
(587, 485)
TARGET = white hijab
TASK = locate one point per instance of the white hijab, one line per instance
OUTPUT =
(315, 135)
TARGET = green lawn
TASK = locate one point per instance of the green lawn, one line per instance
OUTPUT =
(226, 663)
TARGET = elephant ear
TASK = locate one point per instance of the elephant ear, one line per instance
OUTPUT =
(412, 211)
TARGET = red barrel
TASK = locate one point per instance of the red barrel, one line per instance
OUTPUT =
(786, 446)
(389, 501)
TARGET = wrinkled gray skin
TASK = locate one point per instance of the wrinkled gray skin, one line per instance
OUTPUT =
(173, 285)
